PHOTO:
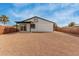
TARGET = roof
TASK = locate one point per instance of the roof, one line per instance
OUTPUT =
(34, 17)
(22, 22)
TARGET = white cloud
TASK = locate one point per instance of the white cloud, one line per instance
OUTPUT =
(20, 4)
(62, 18)
(33, 12)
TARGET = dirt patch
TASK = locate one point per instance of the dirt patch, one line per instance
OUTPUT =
(39, 44)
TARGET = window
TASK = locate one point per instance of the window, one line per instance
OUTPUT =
(33, 26)
(23, 28)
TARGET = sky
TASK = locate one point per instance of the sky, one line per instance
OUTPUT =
(60, 13)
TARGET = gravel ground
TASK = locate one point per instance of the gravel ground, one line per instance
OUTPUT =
(39, 44)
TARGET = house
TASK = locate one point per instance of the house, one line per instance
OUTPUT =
(35, 24)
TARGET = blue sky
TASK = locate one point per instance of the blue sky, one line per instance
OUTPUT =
(60, 13)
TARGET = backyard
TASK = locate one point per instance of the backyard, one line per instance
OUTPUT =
(55, 43)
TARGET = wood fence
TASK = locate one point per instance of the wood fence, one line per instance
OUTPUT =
(7, 29)
(74, 30)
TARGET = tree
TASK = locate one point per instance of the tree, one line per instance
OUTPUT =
(71, 24)
(4, 19)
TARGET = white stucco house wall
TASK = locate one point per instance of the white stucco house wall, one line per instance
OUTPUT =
(35, 24)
